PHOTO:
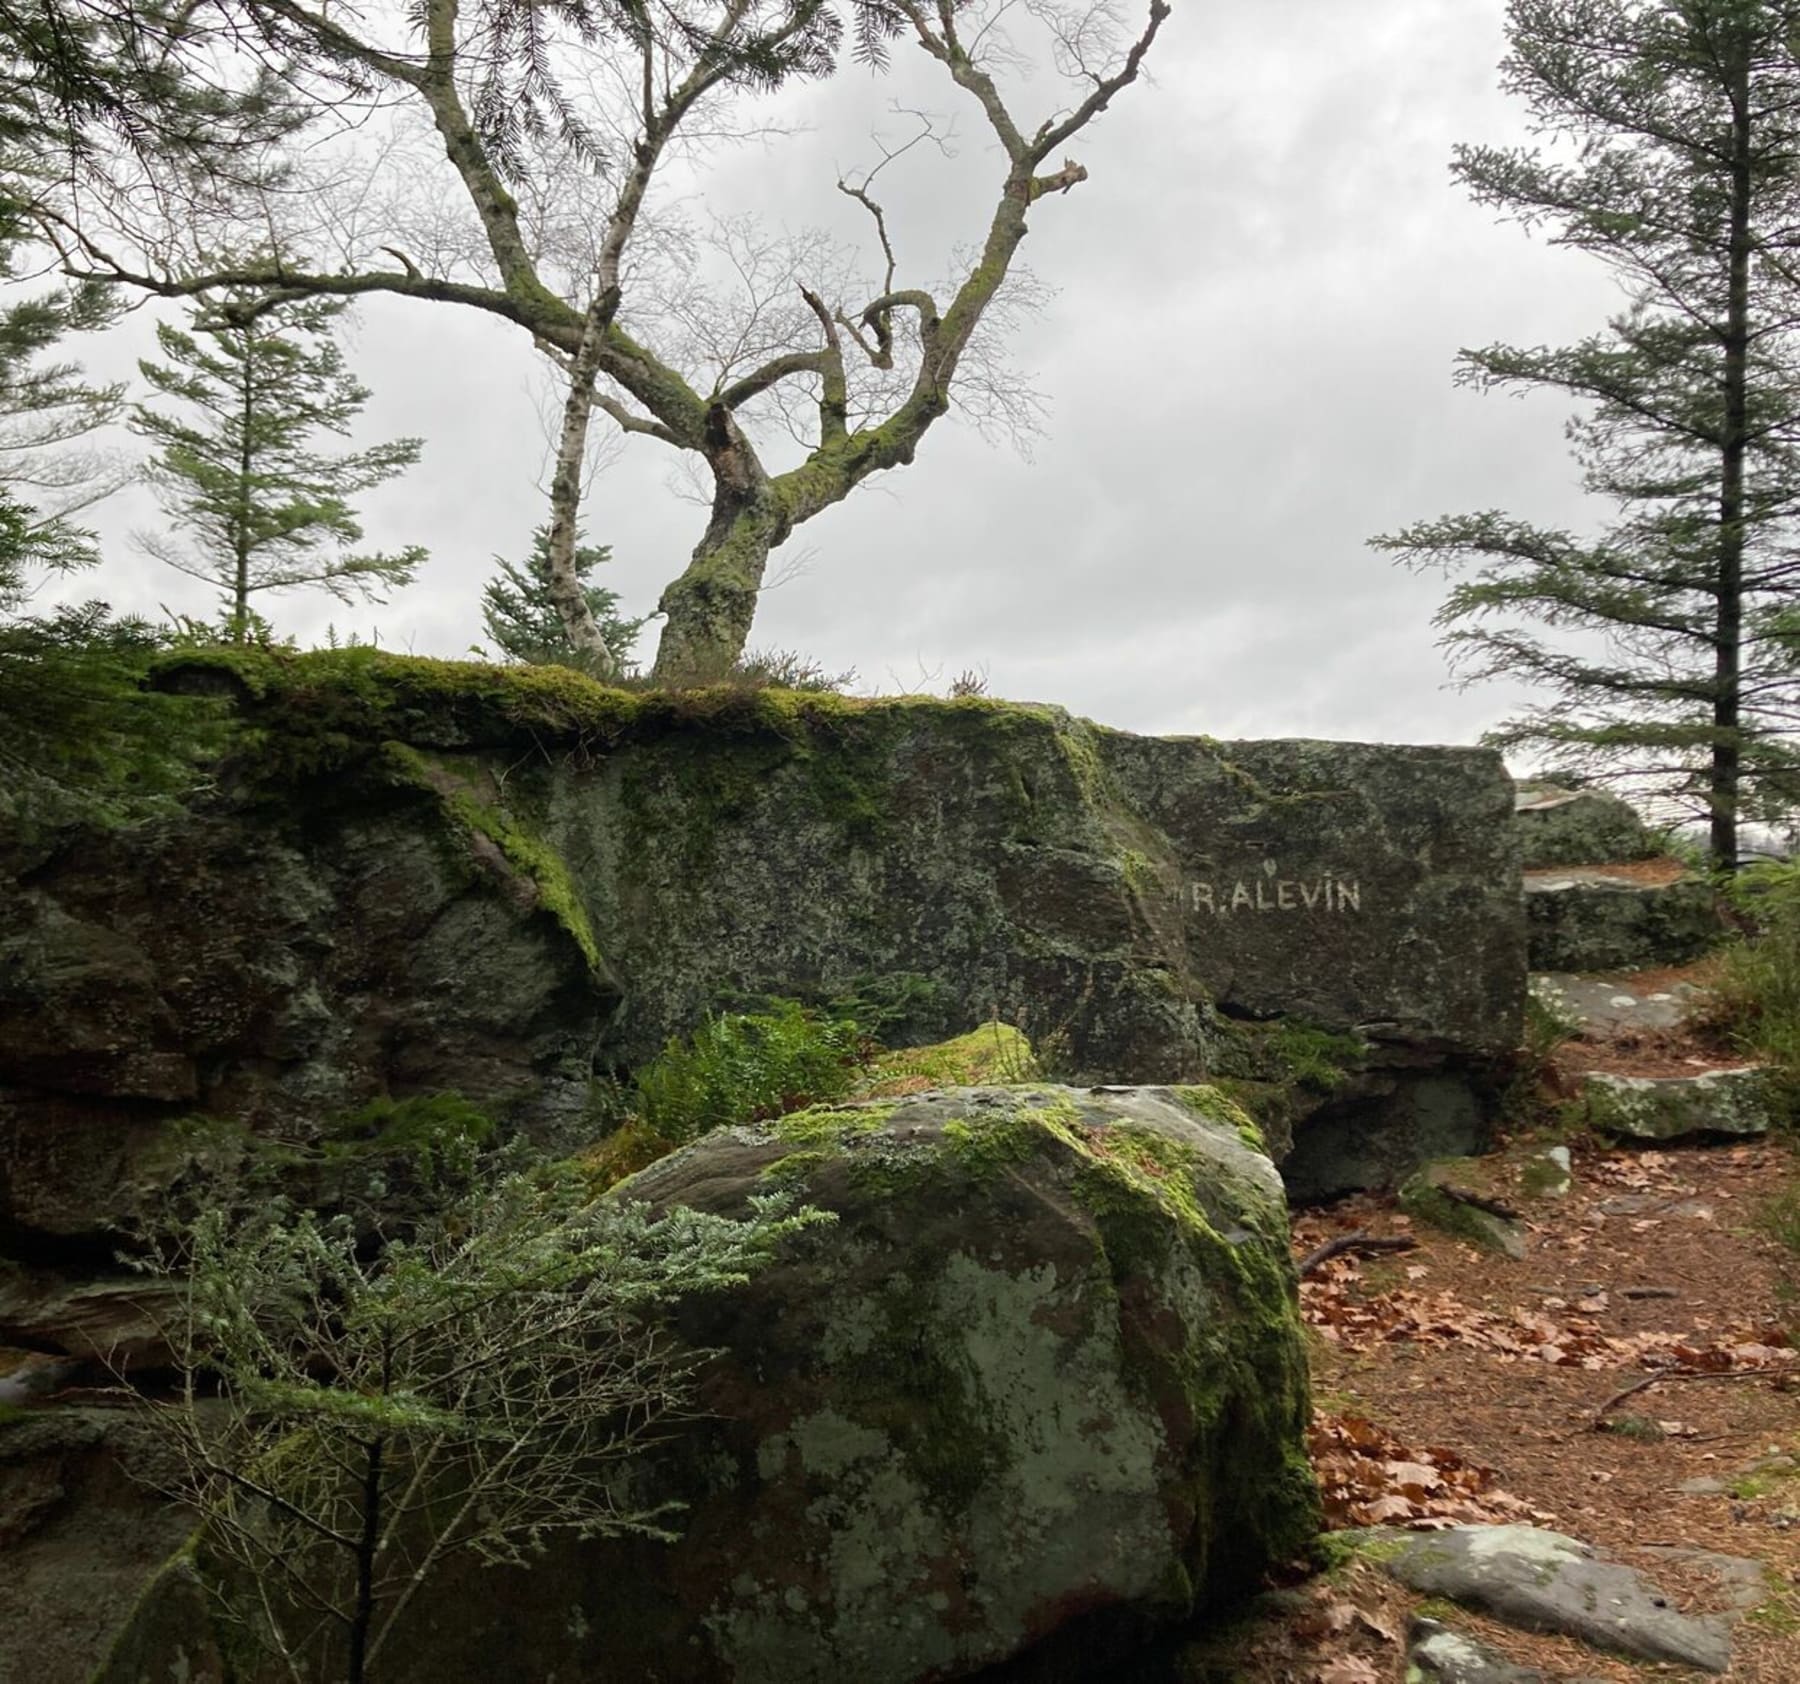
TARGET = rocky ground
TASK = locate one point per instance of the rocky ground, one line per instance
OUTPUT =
(1630, 1380)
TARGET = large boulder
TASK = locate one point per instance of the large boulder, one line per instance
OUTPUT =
(1041, 1381)
(83, 1532)
(420, 876)
(1558, 826)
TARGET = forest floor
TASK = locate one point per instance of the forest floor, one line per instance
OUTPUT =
(1631, 1381)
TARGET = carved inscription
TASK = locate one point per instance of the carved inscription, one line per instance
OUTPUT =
(1321, 894)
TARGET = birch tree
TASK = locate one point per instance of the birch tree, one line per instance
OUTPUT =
(870, 356)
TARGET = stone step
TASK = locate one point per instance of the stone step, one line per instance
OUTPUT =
(1603, 918)
(1607, 1007)
(1737, 1101)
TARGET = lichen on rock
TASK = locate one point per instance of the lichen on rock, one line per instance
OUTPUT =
(1045, 1363)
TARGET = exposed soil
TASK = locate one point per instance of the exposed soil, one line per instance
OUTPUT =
(1454, 1384)
(1654, 1053)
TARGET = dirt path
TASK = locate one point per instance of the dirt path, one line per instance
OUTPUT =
(1457, 1385)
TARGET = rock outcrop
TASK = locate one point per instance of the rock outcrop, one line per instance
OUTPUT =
(1543, 1581)
(1738, 1101)
(418, 876)
(1044, 1368)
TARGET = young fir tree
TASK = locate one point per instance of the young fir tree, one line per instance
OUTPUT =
(349, 1420)
(1675, 131)
(518, 608)
(84, 739)
(257, 507)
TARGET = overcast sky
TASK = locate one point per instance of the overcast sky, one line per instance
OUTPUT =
(1261, 289)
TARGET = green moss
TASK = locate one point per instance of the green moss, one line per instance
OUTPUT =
(1288, 1053)
(1214, 1105)
(996, 1054)
(12, 1413)
(314, 711)
(1317, 1058)
(1333, 1552)
(1541, 1177)
(823, 1125)
(633, 1146)
(439, 1134)
(1779, 1614)
(1423, 1200)
(525, 852)
(795, 1167)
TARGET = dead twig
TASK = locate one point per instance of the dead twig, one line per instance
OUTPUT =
(1480, 1201)
(1661, 1374)
(1358, 1242)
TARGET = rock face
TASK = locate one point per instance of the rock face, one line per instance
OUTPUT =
(82, 1536)
(1438, 1655)
(1045, 1364)
(418, 876)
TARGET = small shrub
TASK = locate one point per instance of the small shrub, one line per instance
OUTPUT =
(1779, 1220)
(1758, 984)
(1548, 1021)
(741, 1067)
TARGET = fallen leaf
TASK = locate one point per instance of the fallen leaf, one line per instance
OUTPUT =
(1348, 1669)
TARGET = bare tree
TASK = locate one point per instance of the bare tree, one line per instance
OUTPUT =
(871, 363)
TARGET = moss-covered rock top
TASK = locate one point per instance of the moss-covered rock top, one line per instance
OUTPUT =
(320, 704)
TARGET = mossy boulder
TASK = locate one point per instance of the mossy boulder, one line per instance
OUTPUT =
(1558, 826)
(1654, 1109)
(1043, 1375)
(414, 876)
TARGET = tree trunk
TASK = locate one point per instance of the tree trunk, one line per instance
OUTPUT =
(364, 1615)
(565, 490)
(1724, 780)
(240, 538)
(709, 609)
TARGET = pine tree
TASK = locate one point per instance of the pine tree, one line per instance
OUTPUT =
(256, 507)
(519, 611)
(1684, 119)
(48, 412)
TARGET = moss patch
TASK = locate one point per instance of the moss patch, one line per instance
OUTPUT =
(996, 1054)
(1423, 1198)
(1214, 1105)
(526, 853)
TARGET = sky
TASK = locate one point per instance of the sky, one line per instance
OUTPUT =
(1260, 291)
